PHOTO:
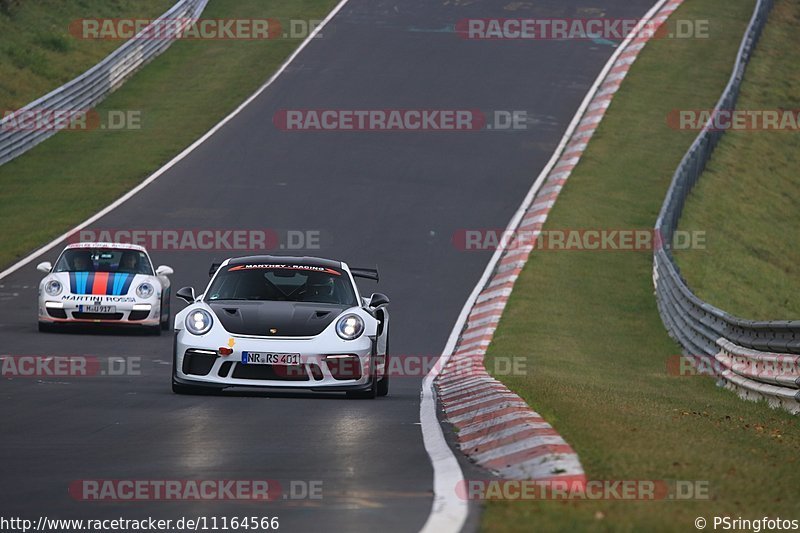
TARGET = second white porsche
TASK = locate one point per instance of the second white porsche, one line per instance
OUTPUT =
(104, 283)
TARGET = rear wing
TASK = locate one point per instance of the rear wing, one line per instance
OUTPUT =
(213, 269)
(367, 273)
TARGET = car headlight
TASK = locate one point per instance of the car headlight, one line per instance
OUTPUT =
(199, 322)
(145, 290)
(350, 327)
(53, 287)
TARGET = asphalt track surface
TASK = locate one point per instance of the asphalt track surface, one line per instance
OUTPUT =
(392, 199)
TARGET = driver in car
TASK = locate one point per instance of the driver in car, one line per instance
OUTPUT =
(129, 262)
(81, 263)
(320, 288)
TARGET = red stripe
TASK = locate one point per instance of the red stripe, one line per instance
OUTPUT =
(527, 455)
(458, 411)
(485, 432)
(528, 433)
(100, 283)
(496, 387)
(485, 417)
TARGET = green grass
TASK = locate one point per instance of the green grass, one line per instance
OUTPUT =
(596, 348)
(747, 199)
(175, 110)
(37, 52)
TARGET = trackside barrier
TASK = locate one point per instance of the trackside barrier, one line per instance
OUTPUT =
(95, 84)
(699, 327)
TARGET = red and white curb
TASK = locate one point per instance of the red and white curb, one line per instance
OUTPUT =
(496, 428)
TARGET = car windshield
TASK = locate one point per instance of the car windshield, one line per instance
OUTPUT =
(282, 283)
(104, 260)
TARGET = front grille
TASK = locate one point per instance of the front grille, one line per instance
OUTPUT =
(271, 372)
(56, 313)
(197, 364)
(96, 316)
(138, 315)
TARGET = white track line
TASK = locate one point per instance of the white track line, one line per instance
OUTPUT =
(449, 512)
(158, 173)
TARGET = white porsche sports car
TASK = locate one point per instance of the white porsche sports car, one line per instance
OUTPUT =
(282, 322)
(104, 283)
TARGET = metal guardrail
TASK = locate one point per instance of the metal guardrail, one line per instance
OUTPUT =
(701, 328)
(91, 87)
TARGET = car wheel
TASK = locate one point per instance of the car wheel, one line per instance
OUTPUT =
(383, 384)
(369, 394)
(165, 322)
(45, 327)
(179, 388)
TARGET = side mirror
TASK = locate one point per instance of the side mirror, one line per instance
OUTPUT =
(186, 294)
(378, 299)
(164, 270)
(45, 267)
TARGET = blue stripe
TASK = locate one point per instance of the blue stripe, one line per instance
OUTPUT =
(81, 278)
(119, 282)
(127, 283)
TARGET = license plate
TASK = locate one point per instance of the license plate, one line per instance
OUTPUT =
(263, 358)
(97, 309)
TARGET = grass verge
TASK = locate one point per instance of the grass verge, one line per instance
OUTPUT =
(175, 110)
(747, 199)
(37, 52)
(597, 351)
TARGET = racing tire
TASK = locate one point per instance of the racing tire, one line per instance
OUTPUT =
(383, 384)
(369, 394)
(179, 388)
(165, 322)
(44, 327)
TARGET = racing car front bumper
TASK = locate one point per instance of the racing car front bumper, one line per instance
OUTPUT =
(127, 312)
(319, 368)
